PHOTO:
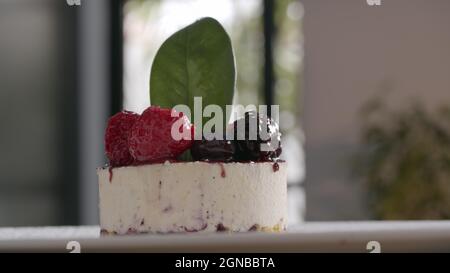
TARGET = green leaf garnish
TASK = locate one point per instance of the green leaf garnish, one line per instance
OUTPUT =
(196, 61)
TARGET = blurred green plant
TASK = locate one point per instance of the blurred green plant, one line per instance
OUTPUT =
(406, 161)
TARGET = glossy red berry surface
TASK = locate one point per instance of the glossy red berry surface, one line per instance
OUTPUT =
(151, 138)
(116, 138)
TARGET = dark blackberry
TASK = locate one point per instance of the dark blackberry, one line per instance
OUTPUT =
(213, 150)
(248, 141)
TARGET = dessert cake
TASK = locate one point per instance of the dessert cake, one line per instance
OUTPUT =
(155, 183)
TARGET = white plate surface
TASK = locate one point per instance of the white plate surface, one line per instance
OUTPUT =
(409, 236)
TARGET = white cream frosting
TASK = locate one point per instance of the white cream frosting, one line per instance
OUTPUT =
(193, 196)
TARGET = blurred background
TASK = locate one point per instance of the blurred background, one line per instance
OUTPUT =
(364, 95)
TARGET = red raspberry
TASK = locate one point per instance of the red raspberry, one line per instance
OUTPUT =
(116, 138)
(151, 139)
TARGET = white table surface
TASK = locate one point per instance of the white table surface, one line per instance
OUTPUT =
(410, 236)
